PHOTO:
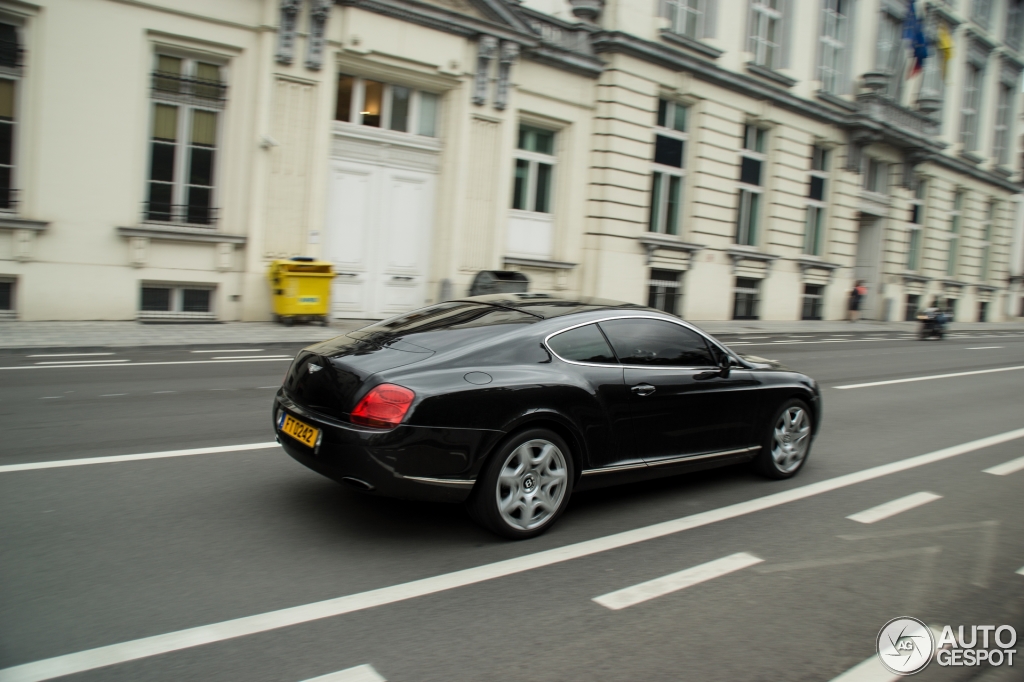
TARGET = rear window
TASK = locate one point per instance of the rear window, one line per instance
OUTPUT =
(583, 344)
(452, 315)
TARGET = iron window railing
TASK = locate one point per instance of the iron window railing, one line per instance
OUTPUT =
(188, 89)
(180, 214)
(8, 199)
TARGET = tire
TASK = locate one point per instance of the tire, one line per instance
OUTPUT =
(787, 441)
(288, 321)
(511, 496)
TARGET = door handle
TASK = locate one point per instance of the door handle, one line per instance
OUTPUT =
(643, 389)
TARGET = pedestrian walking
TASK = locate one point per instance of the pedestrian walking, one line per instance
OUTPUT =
(856, 296)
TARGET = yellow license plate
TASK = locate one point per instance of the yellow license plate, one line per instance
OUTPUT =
(304, 433)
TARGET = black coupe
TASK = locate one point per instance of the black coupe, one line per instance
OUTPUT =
(510, 402)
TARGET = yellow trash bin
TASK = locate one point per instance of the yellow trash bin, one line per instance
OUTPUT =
(301, 289)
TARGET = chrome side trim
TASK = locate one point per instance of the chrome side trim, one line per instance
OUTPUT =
(674, 460)
(621, 467)
(708, 455)
(681, 323)
(441, 481)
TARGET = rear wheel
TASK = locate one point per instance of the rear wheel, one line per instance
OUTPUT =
(524, 486)
(787, 442)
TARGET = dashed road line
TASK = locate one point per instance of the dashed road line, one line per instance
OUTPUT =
(884, 511)
(66, 355)
(112, 395)
(148, 364)
(930, 377)
(872, 670)
(673, 582)
(260, 357)
(230, 350)
(83, 362)
(1020, 571)
(1006, 468)
(60, 463)
(361, 673)
(145, 647)
(984, 347)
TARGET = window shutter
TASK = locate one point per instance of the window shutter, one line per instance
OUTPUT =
(710, 18)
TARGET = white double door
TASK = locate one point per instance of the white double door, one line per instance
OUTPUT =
(378, 234)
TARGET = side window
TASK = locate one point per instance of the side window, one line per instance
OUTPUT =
(583, 344)
(654, 342)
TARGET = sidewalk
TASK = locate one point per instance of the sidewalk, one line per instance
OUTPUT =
(15, 334)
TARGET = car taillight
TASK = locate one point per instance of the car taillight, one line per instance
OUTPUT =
(383, 407)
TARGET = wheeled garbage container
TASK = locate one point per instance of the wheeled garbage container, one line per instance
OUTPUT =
(301, 289)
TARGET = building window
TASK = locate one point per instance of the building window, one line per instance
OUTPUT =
(751, 162)
(954, 233)
(949, 308)
(747, 299)
(668, 177)
(663, 291)
(973, 80)
(918, 207)
(876, 179)
(913, 305)
(1014, 23)
(535, 163)
(766, 32)
(816, 201)
(1004, 114)
(986, 240)
(383, 105)
(188, 95)
(814, 294)
(891, 55)
(10, 57)
(982, 311)
(686, 17)
(169, 301)
(981, 12)
(834, 39)
(6, 297)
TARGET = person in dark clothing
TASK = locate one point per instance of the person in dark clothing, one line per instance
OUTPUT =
(856, 296)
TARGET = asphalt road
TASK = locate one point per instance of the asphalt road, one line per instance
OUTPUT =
(106, 554)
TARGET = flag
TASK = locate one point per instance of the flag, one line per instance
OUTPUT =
(944, 45)
(913, 31)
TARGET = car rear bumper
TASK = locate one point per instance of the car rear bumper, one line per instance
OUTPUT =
(410, 462)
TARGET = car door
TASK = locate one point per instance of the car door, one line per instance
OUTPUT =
(682, 402)
(606, 421)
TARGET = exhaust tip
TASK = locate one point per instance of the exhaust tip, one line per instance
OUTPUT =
(357, 484)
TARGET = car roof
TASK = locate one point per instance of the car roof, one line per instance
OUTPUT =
(547, 306)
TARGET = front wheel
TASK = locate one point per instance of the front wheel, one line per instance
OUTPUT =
(524, 486)
(787, 443)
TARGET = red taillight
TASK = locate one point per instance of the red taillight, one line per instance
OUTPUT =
(384, 407)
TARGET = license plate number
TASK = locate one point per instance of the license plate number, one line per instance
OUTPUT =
(300, 431)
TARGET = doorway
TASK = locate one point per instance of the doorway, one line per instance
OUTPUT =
(869, 244)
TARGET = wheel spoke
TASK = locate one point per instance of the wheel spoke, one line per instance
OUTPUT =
(545, 462)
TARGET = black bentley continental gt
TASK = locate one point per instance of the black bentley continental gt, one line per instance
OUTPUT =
(510, 402)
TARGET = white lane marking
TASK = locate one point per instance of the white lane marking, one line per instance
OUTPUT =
(148, 364)
(262, 357)
(919, 531)
(1020, 571)
(361, 673)
(884, 511)
(755, 337)
(930, 377)
(261, 387)
(872, 670)
(51, 397)
(113, 654)
(82, 362)
(66, 355)
(673, 582)
(231, 350)
(157, 392)
(57, 464)
(112, 395)
(1006, 468)
(984, 347)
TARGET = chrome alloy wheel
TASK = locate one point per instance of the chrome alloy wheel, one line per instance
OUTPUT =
(531, 484)
(791, 439)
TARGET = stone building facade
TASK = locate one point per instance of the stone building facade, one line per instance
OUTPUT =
(716, 158)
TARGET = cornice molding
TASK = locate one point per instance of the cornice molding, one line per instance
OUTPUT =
(181, 234)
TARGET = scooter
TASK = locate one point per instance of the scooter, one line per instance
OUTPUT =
(933, 324)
